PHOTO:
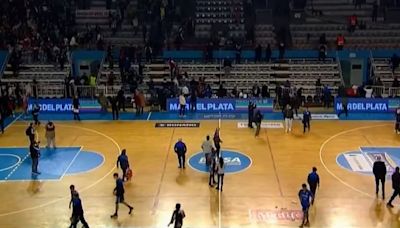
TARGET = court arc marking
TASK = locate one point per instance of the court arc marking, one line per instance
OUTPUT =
(83, 189)
(92, 169)
(11, 166)
(333, 174)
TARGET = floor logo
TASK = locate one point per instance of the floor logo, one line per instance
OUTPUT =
(362, 161)
(234, 161)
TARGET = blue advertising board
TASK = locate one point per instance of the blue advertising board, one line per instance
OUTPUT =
(367, 105)
(64, 105)
(223, 105)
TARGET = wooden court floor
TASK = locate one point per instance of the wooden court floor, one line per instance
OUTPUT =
(264, 195)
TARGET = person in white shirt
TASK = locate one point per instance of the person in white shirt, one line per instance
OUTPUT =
(182, 105)
(208, 148)
(221, 173)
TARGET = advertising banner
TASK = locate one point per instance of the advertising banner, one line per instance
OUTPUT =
(222, 105)
(367, 105)
(64, 105)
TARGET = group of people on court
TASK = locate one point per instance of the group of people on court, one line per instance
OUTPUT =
(288, 116)
(380, 170)
(307, 196)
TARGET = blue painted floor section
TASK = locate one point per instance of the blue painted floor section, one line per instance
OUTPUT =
(15, 163)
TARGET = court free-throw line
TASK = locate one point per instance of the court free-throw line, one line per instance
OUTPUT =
(334, 175)
(16, 167)
(70, 164)
(83, 189)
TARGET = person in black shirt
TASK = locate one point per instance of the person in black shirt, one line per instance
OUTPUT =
(114, 108)
(258, 119)
(119, 193)
(73, 191)
(35, 114)
(397, 125)
(251, 109)
(395, 185)
(121, 100)
(177, 216)
(35, 154)
(306, 120)
(77, 212)
(75, 108)
(379, 170)
(30, 132)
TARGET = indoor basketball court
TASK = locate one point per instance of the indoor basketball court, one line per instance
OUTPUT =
(263, 175)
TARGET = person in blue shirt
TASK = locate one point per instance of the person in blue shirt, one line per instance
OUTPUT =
(119, 193)
(305, 196)
(77, 212)
(123, 162)
(313, 182)
(306, 120)
(180, 150)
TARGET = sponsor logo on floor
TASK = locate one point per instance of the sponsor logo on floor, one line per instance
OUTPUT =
(274, 216)
(177, 125)
(234, 162)
(273, 125)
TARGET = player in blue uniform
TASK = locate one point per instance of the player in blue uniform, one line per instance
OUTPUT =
(119, 193)
(305, 197)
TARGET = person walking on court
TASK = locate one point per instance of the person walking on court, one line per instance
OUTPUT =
(182, 105)
(35, 114)
(221, 173)
(30, 132)
(305, 196)
(75, 108)
(288, 115)
(177, 216)
(119, 192)
(306, 120)
(217, 142)
(213, 172)
(379, 170)
(313, 182)
(251, 107)
(258, 120)
(51, 135)
(77, 212)
(208, 148)
(35, 154)
(114, 108)
(123, 162)
(180, 150)
(395, 185)
(72, 191)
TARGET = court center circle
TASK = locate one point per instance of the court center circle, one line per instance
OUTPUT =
(11, 161)
(235, 162)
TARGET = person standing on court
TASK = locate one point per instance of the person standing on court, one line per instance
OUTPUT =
(208, 148)
(35, 154)
(119, 192)
(288, 115)
(114, 108)
(177, 216)
(73, 191)
(77, 212)
(306, 120)
(344, 110)
(251, 107)
(397, 124)
(258, 119)
(30, 132)
(305, 196)
(182, 105)
(213, 172)
(379, 170)
(313, 182)
(217, 142)
(51, 135)
(75, 108)
(35, 114)
(180, 150)
(395, 185)
(123, 162)
(220, 173)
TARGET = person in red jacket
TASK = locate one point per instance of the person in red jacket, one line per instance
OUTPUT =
(352, 23)
(340, 42)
